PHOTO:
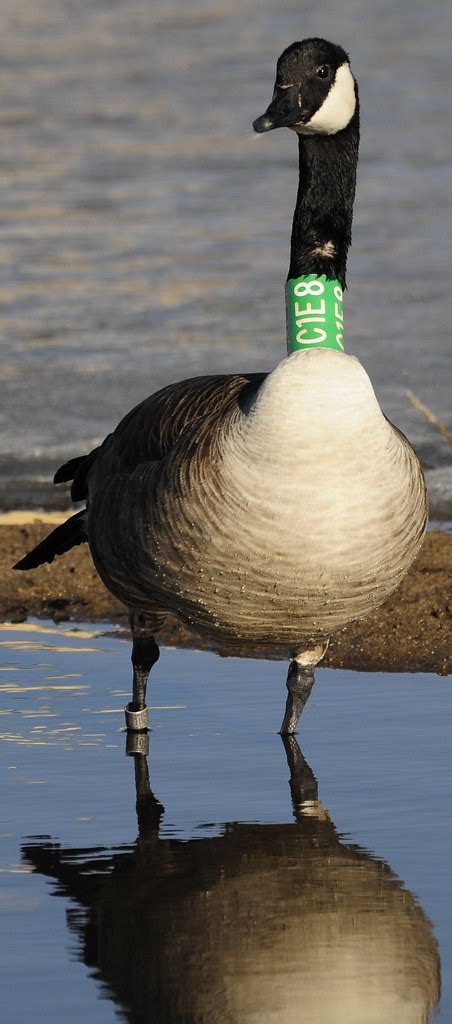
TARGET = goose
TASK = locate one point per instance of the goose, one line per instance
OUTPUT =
(266, 510)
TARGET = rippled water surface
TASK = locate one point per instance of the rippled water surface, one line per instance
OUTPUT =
(230, 879)
(143, 238)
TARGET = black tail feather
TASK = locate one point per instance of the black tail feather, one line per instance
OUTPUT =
(77, 470)
(68, 470)
(64, 537)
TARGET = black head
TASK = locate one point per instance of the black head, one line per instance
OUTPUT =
(315, 92)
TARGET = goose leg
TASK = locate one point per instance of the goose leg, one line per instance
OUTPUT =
(300, 680)
(145, 653)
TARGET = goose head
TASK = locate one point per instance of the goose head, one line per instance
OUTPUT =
(315, 92)
(316, 96)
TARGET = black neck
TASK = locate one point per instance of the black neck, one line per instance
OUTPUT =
(322, 223)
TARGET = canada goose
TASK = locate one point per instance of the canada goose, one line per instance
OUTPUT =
(262, 509)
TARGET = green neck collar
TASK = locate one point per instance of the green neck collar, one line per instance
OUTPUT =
(315, 317)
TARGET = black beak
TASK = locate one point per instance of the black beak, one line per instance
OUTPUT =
(284, 111)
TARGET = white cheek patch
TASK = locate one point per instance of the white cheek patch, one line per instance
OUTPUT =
(336, 110)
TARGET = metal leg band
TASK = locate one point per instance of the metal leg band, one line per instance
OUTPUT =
(136, 721)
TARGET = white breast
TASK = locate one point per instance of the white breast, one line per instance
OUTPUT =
(310, 515)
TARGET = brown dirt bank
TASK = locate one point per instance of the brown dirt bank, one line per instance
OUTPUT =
(412, 631)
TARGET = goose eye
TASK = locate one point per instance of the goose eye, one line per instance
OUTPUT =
(323, 71)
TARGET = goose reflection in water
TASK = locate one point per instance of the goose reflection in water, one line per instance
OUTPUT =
(265, 923)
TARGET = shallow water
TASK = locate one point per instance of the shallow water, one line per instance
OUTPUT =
(144, 239)
(248, 899)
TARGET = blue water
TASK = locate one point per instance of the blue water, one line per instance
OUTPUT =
(371, 849)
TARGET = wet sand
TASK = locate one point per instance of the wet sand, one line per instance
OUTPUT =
(411, 632)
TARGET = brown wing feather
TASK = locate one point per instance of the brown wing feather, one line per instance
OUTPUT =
(149, 431)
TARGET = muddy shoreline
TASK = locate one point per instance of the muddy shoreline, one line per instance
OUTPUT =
(411, 632)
